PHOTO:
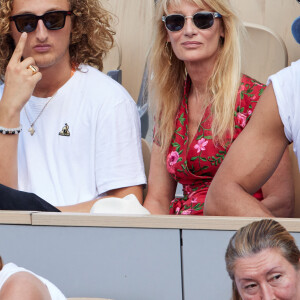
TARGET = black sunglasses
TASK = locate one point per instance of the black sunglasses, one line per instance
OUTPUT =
(53, 20)
(202, 20)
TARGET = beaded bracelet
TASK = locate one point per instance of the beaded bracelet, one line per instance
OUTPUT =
(10, 131)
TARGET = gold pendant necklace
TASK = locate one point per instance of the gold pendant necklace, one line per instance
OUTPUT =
(31, 129)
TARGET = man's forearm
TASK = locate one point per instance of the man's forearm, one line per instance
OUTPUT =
(279, 208)
(216, 204)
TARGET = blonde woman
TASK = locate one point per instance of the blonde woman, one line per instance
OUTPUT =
(202, 103)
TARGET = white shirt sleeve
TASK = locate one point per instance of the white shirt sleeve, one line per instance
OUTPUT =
(119, 160)
(286, 85)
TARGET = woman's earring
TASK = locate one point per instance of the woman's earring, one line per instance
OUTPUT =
(169, 53)
(222, 40)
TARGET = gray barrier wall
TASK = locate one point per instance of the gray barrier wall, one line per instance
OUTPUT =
(125, 258)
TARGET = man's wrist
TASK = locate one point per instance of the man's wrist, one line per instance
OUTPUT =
(9, 116)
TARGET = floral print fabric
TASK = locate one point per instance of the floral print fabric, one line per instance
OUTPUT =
(195, 167)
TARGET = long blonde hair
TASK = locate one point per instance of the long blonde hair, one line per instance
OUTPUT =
(167, 80)
(255, 237)
(91, 38)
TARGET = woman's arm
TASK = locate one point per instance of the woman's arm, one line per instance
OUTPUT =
(161, 186)
(278, 191)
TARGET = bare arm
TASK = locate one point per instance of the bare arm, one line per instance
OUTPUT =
(8, 150)
(161, 186)
(119, 193)
(23, 285)
(251, 161)
(278, 191)
(19, 85)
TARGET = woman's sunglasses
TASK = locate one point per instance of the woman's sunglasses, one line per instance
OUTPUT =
(53, 20)
(202, 20)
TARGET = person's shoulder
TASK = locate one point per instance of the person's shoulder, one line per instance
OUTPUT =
(250, 82)
(248, 95)
(103, 85)
(296, 64)
(250, 90)
(95, 78)
(8, 267)
(291, 72)
(294, 67)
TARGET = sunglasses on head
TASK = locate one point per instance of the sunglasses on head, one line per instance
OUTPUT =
(202, 20)
(53, 20)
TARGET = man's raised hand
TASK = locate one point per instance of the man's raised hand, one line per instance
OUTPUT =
(20, 80)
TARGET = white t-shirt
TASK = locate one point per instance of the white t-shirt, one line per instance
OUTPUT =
(102, 151)
(286, 85)
(10, 269)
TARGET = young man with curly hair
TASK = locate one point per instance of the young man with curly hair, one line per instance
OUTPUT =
(81, 136)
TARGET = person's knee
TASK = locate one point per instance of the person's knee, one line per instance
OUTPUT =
(25, 286)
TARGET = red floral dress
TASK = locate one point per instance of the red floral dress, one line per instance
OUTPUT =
(195, 167)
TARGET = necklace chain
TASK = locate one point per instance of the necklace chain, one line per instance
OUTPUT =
(31, 129)
(204, 103)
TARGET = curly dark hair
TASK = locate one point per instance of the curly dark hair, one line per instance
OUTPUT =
(91, 37)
